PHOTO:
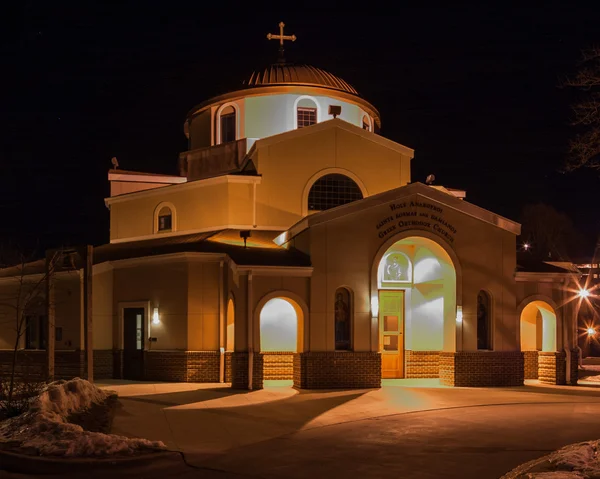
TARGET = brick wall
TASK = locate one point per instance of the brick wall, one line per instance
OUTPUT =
(103, 364)
(203, 366)
(574, 367)
(422, 364)
(278, 365)
(29, 364)
(228, 374)
(552, 367)
(239, 370)
(482, 368)
(182, 366)
(69, 364)
(340, 369)
(531, 364)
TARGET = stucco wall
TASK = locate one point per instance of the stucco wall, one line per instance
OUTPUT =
(343, 250)
(164, 285)
(103, 311)
(203, 306)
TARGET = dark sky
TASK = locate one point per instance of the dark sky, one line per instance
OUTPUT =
(472, 89)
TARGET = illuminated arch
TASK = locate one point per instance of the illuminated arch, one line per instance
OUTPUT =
(538, 324)
(236, 109)
(295, 109)
(300, 308)
(452, 327)
(157, 211)
(329, 171)
(230, 325)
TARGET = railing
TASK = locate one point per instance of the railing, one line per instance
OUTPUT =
(214, 160)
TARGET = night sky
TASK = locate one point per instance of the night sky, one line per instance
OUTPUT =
(472, 89)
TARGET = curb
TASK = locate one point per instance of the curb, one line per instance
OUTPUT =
(22, 463)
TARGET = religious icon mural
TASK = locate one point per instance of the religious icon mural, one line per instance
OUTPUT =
(396, 268)
(342, 320)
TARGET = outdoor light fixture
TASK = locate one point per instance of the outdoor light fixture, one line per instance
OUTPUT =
(591, 331)
(459, 316)
(374, 306)
(583, 293)
(526, 246)
(155, 317)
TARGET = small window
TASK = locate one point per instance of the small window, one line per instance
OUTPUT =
(366, 124)
(306, 116)
(165, 219)
(228, 121)
(484, 324)
(343, 315)
(332, 190)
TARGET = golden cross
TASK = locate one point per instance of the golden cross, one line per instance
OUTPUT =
(281, 37)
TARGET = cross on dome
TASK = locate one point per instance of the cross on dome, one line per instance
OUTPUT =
(281, 37)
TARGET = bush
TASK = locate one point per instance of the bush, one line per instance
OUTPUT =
(23, 392)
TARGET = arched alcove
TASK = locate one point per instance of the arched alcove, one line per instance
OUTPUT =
(416, 301)
(230, 332)
(538, 327)
(343, 319)
(484, 321)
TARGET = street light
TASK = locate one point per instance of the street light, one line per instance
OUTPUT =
(583, 293)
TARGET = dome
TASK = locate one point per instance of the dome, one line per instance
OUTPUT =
(287, 73)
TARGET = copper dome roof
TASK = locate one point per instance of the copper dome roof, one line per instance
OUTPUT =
(286, 73)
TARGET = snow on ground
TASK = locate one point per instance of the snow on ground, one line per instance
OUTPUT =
(45, 430)
(576, 461)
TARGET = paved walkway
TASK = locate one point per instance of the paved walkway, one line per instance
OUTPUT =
(409, 429)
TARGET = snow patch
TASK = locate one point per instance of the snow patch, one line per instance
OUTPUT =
(44, 427)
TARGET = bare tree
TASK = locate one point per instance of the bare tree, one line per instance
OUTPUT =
(584, 147)
(23, 294)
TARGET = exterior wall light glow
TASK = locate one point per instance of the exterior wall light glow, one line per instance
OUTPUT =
(374, 306)
(583, 293)
(459, 315)
(155, 317)
(591, 331)
(526, 246)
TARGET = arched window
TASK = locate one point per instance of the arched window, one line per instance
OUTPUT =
(333, 190)
(484, 323)
(366, 123)
(343, 320)
(227, 121)
(165, 219)
(306, 112)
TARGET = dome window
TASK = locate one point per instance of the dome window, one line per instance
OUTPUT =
(366, 123)
(333, 190)
(227, 122)
(306, 116)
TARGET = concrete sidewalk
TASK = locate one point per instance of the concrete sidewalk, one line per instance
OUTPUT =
(202, 420)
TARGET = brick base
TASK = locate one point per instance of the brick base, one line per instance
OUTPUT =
(530, 364)
(278, 365)
(239, 370)
(341, 369)
(182, 366)
(552, 367)
(228, 366)
(422, 364)
(481, 368)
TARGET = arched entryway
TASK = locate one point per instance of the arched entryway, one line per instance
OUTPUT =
(538, 334)
(416, 282)
(281, 336)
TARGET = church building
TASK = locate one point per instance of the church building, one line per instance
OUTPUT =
(293, 244)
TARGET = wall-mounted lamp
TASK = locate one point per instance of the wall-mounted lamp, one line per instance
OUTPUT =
(459, 316)
(374, 306)
(591, 331)
(155, 317)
